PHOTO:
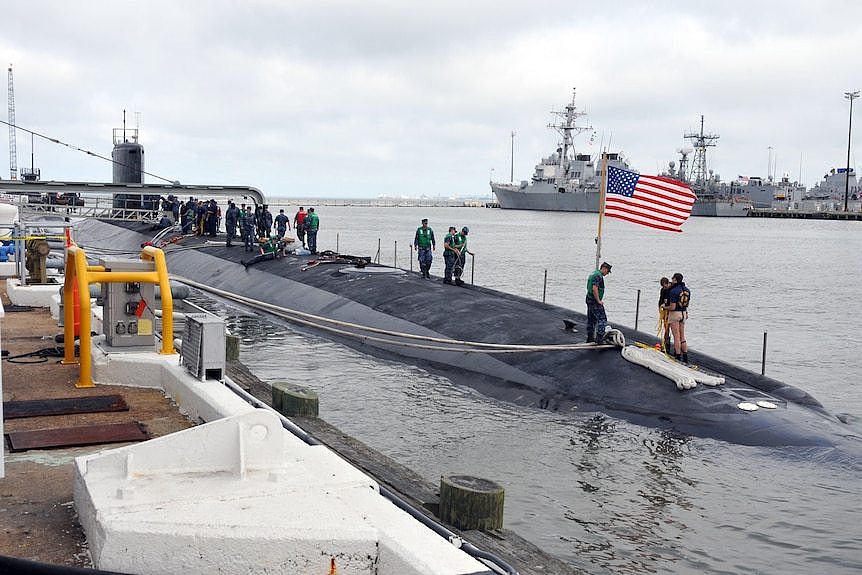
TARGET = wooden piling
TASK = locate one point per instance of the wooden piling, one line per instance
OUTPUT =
(294, 400)
(231, 347)
(468, 502)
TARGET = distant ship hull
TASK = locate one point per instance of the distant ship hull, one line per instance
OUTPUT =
(721, 208)
(544, 197)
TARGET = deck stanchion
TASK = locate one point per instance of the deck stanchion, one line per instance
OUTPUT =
(336, 244)
(395, 255)
(545, 286)
(472, 268)
(637, 309)
(763, 357)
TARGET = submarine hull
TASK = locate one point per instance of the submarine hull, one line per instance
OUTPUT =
(584, 380)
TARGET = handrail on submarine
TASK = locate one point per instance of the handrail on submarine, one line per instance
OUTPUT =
(79, 276)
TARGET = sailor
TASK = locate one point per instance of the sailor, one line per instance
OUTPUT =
(230, 221)
(311, 224)
(597, 319)
(282, 224)
(187, 211)
(200, 217)
(212, 218)
(449, 254)
(663, 325)
(240, 217)
(258, 221)
(298, 225)
(459, 244)
(248, 225)
(424, 243)
(266, 223)
(678, 301)
(268, 251)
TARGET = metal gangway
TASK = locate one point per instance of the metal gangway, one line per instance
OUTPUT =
(127, 202)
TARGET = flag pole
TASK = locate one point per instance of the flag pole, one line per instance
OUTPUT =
(603, 187)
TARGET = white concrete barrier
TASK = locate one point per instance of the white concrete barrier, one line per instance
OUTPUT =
(239, 494)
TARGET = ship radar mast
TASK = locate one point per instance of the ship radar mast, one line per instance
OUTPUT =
(567, 127)
(700, 142)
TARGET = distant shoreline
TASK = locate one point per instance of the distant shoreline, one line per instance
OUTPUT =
(384, 202)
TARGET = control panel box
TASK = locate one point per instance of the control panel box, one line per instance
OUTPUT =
(129, 316)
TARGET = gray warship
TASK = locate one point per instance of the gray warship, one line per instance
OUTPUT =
(727, 199)
(568, 181)
(565, 181)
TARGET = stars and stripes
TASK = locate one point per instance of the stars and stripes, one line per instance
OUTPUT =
(652, 201)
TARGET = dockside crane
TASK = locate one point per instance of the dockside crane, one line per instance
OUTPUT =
(13, 154)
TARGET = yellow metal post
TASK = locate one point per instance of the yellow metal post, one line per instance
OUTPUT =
(78, 271)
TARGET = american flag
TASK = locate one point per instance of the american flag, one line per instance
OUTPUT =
(651, 201)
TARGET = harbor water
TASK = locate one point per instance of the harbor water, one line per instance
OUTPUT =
(606, 495)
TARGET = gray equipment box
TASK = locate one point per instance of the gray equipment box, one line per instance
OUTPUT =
(129, 307)
(203, 349)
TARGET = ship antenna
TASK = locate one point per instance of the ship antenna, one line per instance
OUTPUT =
(700, 142)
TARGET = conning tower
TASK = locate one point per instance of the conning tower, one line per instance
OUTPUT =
(127, 156)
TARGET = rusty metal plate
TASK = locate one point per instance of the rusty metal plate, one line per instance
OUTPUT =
(63, 406)
(75, 436)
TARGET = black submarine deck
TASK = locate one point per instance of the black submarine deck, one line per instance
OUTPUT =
(587, 380)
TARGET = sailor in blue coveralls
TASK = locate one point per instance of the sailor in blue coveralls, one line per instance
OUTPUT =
(449, 254)
(424, 243)
(248, 226)
(597, 319)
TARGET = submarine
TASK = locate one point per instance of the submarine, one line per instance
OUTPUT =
(503, 346)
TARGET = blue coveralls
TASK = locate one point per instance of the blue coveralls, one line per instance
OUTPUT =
(597, 319)
(248, 223)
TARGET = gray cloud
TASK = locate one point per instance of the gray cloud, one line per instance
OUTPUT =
(358, 99)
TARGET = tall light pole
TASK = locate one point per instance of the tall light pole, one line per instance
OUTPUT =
(850, 96)
(769, 165)
(512, 164)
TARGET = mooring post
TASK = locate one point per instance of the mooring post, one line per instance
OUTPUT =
(637, 309)
(545, 286)
(763, 357)
(293, 400)
(468, 502)
(231, 343)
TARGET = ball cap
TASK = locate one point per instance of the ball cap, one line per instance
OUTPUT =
(465, 230)
(424, 220)
(606, 265)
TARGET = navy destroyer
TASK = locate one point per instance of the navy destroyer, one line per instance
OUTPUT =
(569, 181)
(565, 181)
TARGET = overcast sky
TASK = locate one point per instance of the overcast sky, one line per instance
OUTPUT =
(376, 97)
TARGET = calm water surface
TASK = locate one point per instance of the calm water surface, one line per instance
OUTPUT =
(606, 495)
